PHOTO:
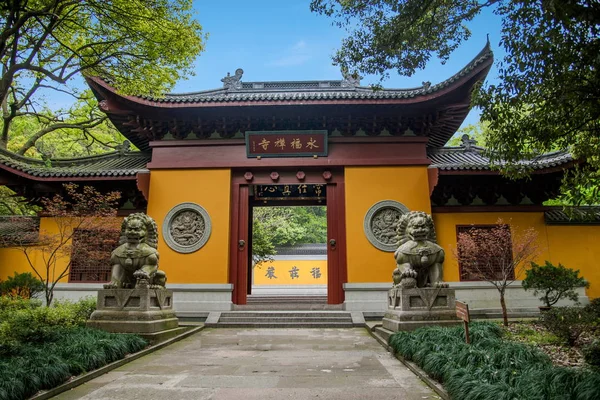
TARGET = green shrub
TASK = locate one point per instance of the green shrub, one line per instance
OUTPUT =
(591, 353)
(568, 323)
(66, 352)
(594, 308)
(492, 368)
(23, 285)
(82, 309)
(10, 304)
(33, 324)
(553, 282)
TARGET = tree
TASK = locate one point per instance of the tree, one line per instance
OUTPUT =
(549, 86)
(140, 46)
(13, 204)
(23, 285)
(553, 282)
(82, 211)
(496, 255)
(285, 226)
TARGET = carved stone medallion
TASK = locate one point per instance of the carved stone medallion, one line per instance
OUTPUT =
(186, 227)
(381, 222)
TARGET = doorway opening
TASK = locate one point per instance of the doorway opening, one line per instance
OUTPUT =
(257, 189)
(289, 250)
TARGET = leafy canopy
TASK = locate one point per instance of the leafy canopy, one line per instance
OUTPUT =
(140, 46)
(285, 226)
(548, 93)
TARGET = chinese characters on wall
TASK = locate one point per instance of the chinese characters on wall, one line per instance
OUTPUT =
(294, 272)
(286, 144)
(297, 192)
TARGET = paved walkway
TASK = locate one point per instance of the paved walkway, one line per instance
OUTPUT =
(262, 364)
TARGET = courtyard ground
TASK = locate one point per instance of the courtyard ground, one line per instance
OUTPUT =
(262, 364)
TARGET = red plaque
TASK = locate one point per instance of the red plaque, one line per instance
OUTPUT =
(286, 143)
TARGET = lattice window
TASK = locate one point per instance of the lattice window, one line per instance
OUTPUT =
(90, 256)
(495, 258)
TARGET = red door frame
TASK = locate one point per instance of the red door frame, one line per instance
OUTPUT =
(240, 225)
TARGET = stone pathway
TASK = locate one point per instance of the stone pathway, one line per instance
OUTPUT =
(262, 364)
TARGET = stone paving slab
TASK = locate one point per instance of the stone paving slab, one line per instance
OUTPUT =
(223, 364)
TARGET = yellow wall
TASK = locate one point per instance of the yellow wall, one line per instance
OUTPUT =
(209, 189)
(281, 270)
(366, 186)
(575, 247)
(13, 260)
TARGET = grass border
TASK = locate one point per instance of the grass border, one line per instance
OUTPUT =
(433, 384)
(88, 376)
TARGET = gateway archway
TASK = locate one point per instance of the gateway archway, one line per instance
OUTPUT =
(327, 187)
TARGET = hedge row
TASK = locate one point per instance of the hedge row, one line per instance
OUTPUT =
(492, 368)
(41, 347)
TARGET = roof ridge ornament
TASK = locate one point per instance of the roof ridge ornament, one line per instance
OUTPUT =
(351, 80)
(233, 82)
(467, 143)
(124, 147)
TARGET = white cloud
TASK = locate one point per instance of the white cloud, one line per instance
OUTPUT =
(297, 54)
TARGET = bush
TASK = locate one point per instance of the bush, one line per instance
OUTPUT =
(67, 352)
(594, 308)
(28, 323)
(568, 323)
(492, 368)
(553, 282)
(23, 285)
(591, 353)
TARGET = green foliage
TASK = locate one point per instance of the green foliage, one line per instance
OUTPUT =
(594, 308)
(23, 285)
(491, 367)
(67, 351)
(568, 323)
(548, 90)
(286, 226)
(47, 47)
(591, 353)
(527, 334)
(477, 132)
(553, 282)
(41, 347)
(13, 204)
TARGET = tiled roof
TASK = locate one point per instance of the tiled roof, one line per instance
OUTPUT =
(474, 158)
(116, 164)
(303, 249)
(573, 216)
(315, 90)
(18, 230)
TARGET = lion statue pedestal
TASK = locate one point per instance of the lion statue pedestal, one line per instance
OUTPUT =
(419, 296)
(136, 300)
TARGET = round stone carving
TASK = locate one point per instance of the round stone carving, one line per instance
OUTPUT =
(186, 227)
(381, 222)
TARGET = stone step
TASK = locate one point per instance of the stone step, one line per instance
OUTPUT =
(325, 324)
(284, 319)
(287, 306)
(285, 314)
(286, 299)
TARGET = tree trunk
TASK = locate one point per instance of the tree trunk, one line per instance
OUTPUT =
(503, 305)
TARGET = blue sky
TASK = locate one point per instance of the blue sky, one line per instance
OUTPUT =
(273, 40)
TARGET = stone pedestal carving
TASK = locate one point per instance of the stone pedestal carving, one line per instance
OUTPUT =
(144, 311)
(412, 308)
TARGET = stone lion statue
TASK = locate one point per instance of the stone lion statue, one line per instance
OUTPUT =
(135, 262)
(419, 259)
